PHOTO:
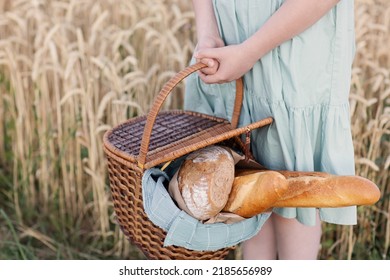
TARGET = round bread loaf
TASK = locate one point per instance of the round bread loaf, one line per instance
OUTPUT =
(205, 180)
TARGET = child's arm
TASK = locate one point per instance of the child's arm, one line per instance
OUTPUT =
(207, 32)
(292, 18)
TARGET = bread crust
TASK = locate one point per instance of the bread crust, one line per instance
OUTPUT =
(209, 184)
(205, 180)
(255, 192)
(252, 195)
(329, 191)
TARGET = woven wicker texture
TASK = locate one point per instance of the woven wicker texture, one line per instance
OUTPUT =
(160, 137)
(171, 134)
(170, 127)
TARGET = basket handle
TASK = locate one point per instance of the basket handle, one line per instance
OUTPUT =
(162, 95)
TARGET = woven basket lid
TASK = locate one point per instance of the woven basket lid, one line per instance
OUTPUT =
(175, 133)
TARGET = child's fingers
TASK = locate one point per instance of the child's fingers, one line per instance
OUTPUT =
(211, 79)
(209, 74)
(212, 66)
(208, 61)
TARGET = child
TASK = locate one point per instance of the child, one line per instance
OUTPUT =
(296, 57)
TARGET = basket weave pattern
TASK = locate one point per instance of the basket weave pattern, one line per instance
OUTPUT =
(149, 141)
(135, 224)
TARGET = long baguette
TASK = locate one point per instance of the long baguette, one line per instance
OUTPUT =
(255, 193)
(320, 190)
(251, 196)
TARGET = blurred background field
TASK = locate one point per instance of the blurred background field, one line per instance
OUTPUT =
(70, 70)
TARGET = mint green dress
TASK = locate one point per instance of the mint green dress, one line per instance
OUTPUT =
(303, 84)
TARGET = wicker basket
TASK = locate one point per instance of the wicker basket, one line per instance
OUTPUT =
(149, 141)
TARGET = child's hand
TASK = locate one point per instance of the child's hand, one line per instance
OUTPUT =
(234, 61)
(207, 43)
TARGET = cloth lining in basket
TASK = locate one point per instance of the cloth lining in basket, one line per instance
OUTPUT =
(184, 230)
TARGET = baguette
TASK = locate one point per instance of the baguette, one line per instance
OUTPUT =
(255, 192)
(251, 196)
(321, 190)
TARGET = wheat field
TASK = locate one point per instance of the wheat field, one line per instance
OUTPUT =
(70, 70)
